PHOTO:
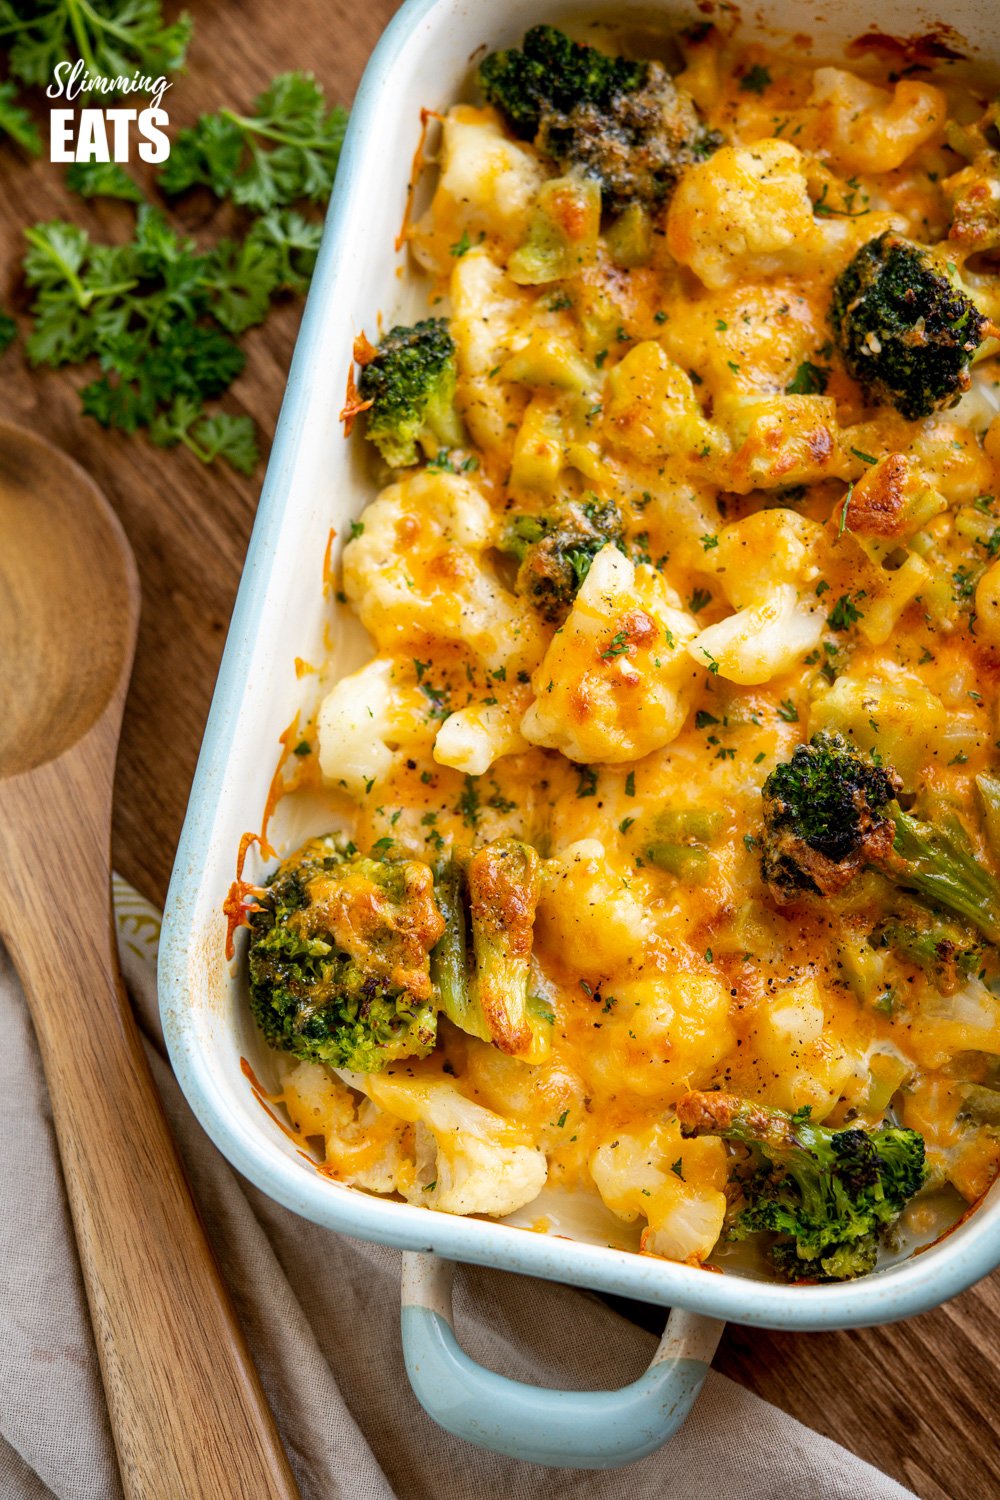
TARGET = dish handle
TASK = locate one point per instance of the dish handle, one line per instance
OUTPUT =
(576, 1429)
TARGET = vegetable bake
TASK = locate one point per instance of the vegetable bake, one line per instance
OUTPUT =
(658, 898)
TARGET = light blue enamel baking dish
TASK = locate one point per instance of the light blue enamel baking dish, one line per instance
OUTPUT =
(315, 481)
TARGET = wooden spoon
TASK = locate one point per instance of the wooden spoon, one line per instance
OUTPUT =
(189, 1417)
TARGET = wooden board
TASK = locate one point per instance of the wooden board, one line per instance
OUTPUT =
(918, 1399)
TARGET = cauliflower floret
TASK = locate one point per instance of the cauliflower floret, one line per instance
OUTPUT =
(681, 515)
(886, 591)
(894, 713)
(367, 723)
(794, 1053)
(474, 737)
(469, 1160)
(862, 128)
(988, 605)
(651, 408)
(587, 910)
(768, 547)
(416, 569)
(488, 184)
(615, 682)
(945, 1026)
(665, 1034)
(744, 213)
(364, 1146)
(548, 1091)
(491, 318)
(778, 441)
(676, 1185)
(958, 464)
(762, 640)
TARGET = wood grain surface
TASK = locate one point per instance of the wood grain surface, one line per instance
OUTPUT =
(188, 1414)
(919, 1399)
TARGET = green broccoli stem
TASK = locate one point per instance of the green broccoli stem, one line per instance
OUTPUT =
(988, 790)
(676, 840)
(939, 862)
(981, 1105)
(491, 895)
(450, 959)
(504, 885)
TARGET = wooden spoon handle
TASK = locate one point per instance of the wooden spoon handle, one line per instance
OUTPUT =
(189, 1417)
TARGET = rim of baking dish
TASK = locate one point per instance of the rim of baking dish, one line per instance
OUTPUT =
(929, 1277)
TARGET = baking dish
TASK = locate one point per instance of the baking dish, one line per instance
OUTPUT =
(316, 481)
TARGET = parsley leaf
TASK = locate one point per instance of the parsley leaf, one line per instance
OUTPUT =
(111, 37)
(208, 438)
(16, 121)
(286, 150)
(102, 179)
(808, 380)
(295, 241)
(156, 315)
(844, 614)
(468, 803)
(755, 80)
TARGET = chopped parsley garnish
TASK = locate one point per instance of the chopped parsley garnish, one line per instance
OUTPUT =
(808, 380)
(844, 614)
(755, 80)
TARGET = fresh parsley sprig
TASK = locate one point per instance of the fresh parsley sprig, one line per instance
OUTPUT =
(207, 437)
(16, 122)
(102, 179)
(286, 151)
(157, 316)
(111, 37)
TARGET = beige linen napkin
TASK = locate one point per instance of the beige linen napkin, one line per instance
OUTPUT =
(321, 1313)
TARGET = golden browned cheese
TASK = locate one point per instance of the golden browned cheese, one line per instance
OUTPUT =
(794, 560)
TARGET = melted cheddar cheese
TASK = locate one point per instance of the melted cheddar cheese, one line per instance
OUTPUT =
(794, 560)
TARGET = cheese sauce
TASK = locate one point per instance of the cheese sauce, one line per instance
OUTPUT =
(793, 560)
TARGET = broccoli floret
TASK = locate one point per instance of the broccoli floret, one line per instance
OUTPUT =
(410, 381)
(555, 551)
(940, 948)
(340, 958)
(552, 73)
(907, 333)
(825, 816)
(828, 1195)
(829, 812)
(489, 900)
(624, 123)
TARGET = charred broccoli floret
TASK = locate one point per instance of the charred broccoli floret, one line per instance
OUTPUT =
(340, 957)
(624, 123)
(489, 900)
(830, 812)
(555, 551)
(827, 1195)
(552, 73)
(907, 333)
(410, 381)
(825, 816)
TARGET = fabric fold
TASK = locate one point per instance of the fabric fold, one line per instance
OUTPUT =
(321, 1315)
